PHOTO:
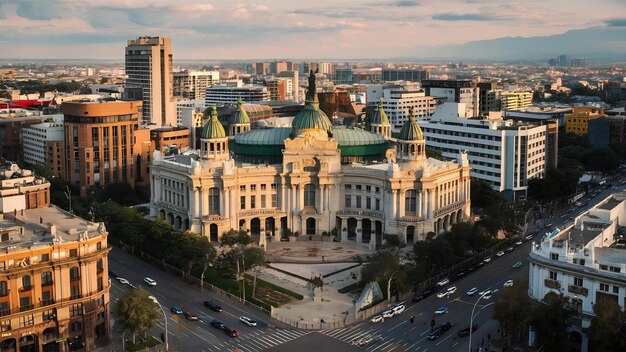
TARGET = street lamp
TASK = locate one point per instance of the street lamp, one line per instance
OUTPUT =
(165, 319)
(469, 348)
(68, 194)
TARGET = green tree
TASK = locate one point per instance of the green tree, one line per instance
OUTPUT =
(235, 241)
(608, 327)
(384, 266)
(254, 259)
(137, 312)
(511, 309)
(551, 320)
(482, 195)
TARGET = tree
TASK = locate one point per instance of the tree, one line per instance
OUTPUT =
(550, 320)
(511, 309)
(236, 241)
(137, 312)
(383, 267)
(608, 327)
(482, 195)
(254, 259)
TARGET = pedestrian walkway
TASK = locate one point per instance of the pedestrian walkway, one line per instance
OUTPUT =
(259, 340)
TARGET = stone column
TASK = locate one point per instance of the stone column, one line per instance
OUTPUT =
(402, 196)
(419, 205)
(200, 203)
(227, 203)
(429, 196)
(359, 231)
(344, 234)
(393, 203)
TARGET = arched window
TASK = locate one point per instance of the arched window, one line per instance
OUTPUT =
(410, 202)
(214, 201)
(309, 195)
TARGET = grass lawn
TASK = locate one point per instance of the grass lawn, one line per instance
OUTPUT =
(149, 342)
(350, 288)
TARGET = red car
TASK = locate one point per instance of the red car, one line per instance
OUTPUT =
(230, 332)
(466, 331)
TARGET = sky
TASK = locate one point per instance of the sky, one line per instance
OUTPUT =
(304, 29)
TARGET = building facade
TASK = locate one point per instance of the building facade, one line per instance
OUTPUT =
(515, 100)
(193, 84)
(34, 139)
(150, 79)
(21, 189)
(465, 92)
(585, 262)
(223, 95)
(405, 74)
(54, 289)
(311, 178)
(577, 122)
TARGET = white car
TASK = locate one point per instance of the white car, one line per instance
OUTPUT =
(486, 294)
(487, 260)
(499, 254)
(388, 313)
(472, 291)
(123, 281)
(451, 290)
(442, 294)
(508, 283)
(398, 309)
(518, 243)
(149, 281)
(153, 299)
(247, 320)
(441, 310)
(443, 282)
(377, 319)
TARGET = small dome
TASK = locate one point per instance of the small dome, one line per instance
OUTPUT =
(411, 131)
(240, 116)
(379, 117)
(311, 117)
(213, 128)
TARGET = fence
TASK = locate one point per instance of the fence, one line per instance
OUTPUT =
(371, 311)
(308, 325)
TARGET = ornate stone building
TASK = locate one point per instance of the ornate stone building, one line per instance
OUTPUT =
(311, 178)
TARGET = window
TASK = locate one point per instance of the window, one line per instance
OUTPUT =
(76, 326)
(578, 281)
(410, 202)
(553, 275)
(604, 287)
(554, 256)
(368, 203)
(253, 188)
(263, 201)
(74, 274)
(45, 257)
(46, 278)
(25, 304)
(242, 188)
(75, 291)
(274, 201)
(377, 189)
(273, 186)
(76, 310)
(309, 195)
(26, 283)
(348, 186)
(242, 201)
(99, 266)
(4, 309)
(48, 315)
(348, 201)
(368, 188)
(46, 298)
(358, 187)
(263, 187)
(27, 320)
(214, 201)
(616, 290)
(377, 204)
(100, 284)
(252, 202)
(4, 290)
(358, 201)
(73, 253)
(5, 325)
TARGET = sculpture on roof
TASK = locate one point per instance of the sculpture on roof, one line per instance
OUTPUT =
(310, 93)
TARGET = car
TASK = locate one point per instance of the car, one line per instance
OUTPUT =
(486, 294)
(517, 264)
(248, 321)
(213, 306)
(529, 237)
(460, 274)
(472, 291)
(418, 298)
(190, 316)
(230, 331)
(217, 324)
(398, 309)
(487, 260)
(441, 310)
(451, 290)
(176, 310)
(509, 249)
(123, 281)
(466, 330)
(442, 294)
(377, 319)
(508, 283)
(149, 281)
(153, 299)
(499, 254)
(437, 332)
(388, 313)
(443, 282)
(518, 242)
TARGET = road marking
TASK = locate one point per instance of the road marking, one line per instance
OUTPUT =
(409, 348)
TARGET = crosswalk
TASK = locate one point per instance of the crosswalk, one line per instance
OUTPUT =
(372, 338)
(259, 340)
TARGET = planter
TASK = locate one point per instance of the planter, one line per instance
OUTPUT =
(552, 284)
(578, 290)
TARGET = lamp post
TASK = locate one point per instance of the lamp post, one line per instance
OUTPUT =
(68, 194)
(469, 348)
(165, 319)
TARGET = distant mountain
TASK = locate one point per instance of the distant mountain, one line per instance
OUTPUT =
(598, 43)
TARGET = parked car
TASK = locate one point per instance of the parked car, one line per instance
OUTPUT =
(443, 282)
(398, 309)
(418, 298)
(388, 313)
(466, 330)
(217, 324)
(176, 310)
(487, 260)
(518, 242)
(517, 264)
(213, 306)
(123, 281)
(509, 249)
(190, 316)
(441, 310)
(486, 294)
(149, 281)
(508, 283)
(230, 331)
(248, 321)
(499, 254)
(377, 319)
(472, 291)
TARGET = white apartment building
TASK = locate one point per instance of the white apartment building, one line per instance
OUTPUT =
(586, 262)
(223, 95)
(507, 154)
(398, 99)
(193, 84)
(34, 140)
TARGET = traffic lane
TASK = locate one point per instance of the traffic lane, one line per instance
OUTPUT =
(171, 291)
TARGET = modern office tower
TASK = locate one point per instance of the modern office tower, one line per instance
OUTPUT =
(515, 100)
(405, 74)
(150, 79)
(280, 66)
(223, 94)
(34, 139)
(193, 84)
(577, 121)
(99, 143)
(583, 261)
(489, 95)
(343, 75)
(504, 153)
(399, 100)
(464, 92)
(262, 68)
(54, 288)
(563, 60)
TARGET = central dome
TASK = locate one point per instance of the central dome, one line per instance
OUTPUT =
(311, 117)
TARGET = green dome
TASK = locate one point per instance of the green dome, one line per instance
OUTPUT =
(241, 116)
(411, 131)
(379, 117)
(213, 128)
(311, 117)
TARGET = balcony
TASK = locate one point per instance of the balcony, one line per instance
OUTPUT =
(555, 284)
(4, 312)
(26, 288)
(578, 290)
(46, 302)
(78, 296)
(27, 307)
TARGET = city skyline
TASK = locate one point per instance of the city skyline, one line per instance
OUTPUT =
(85, 29)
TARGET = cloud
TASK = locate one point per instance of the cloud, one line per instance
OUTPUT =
(464, 17)
(247, 11)
(616, 22)
(405, 3)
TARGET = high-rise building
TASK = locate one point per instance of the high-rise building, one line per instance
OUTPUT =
(262, 68)
(193, 84)
(277, 88)
(99, 141)
(34, 140)
(577, 122)
(54, 288)
(280, 66)
(343, 75)
(465, 92)
(295, 83)
(399, 100)
(405, 74)
(489, 94)
(150, 79)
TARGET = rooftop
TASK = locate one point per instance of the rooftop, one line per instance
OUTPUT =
(609, 204)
